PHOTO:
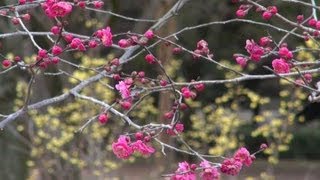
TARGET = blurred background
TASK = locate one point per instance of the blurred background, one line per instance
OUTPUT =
(44, 144)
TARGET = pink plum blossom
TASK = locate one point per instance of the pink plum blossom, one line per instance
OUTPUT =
(280, 66)
(231, 167)
(178, 127)
(105, 35)
(142, 148)
(124, 90)
(254, 50)
(57, 9)
(242, 155)
(121, 148)
(209, 172)
(184, 172)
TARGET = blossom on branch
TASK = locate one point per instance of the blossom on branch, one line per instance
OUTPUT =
(105, 35)
(254, 50)
(209, 172)
(184, 172)
(285, 53)
(242, 61)
(179, 127)
(121, 148)
(242, 155)
(124, 90)
(57, 9)
(202, 49)
(280, 66)
(231, 167)
(142, 148)
(56, 50)
(77, 43)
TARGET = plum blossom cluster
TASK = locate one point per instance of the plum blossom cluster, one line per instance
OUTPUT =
(269, 12)
(56, 8)
(313, 23)
(187, 93)
(61, 8)
(142, 40)
(282, 65)
(232, 166)
(124, 148)
(177, 129)
(124, 89)
(105, 35)
(202, 49)
(191, 91)
(128, 87)
(44, 58)
(134, 39)
(9, 12)
(266, 14)
(210, 171)
(256, 51)
(77, 43)
(7, 63)
(188, 171)
(185, 171)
